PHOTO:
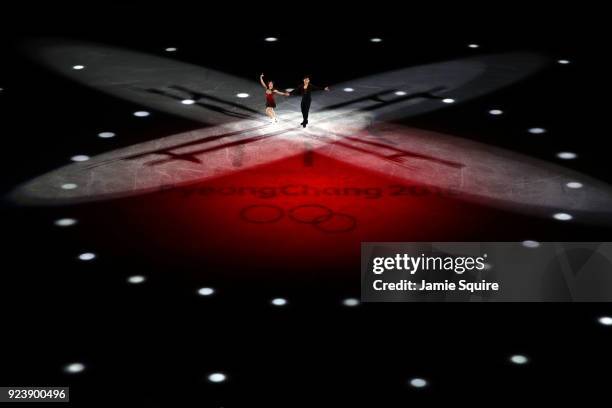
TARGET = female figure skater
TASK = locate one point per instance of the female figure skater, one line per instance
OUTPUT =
(270, 103)
(304, 89)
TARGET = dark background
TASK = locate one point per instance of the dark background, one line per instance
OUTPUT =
(154, 345)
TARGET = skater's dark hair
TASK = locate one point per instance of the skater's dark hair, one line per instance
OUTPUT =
(307, 76)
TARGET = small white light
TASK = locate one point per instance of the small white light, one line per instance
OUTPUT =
(574, 184)
(187, 101)
(289, 89)
(348, 89)
(563, 61)
(279, 301)
(69, 186)
(206, 291)
(141, 114)
(65, 222)
(375, 40)
(473, 45)
(562, 216)
(136, 279)
(87, 256)
(79, 158)
(448, 100)
(400, 93)
(496, 112)
(171, 49)
(242, 95)
(531, 244)
(567, 155)
(106, 135)
(536, 130)
(519, 359)
(271, 39)
(605, 320)
(418, 382)
(350, 302)
(74, 368)
(78, 67)
(217, 377)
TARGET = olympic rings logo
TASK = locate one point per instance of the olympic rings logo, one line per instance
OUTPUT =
(319, 216)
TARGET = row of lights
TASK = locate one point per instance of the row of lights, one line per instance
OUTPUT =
(349, 302)
(372, 40)
(74, 368)
(379, 40)
(217, 377)
(375, 40)
(417, 382)
(79, 67)
(539, 131)
(494, 112)
(560, 155)
(205, 291)
(101, 135)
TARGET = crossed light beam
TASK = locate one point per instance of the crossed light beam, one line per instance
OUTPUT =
(351, 126)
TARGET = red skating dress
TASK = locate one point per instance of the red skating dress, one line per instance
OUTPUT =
(270, 103)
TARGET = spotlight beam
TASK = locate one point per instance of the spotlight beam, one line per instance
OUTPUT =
(126, 74)
(475, 171)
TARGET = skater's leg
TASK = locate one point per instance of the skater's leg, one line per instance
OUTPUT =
(305, 110)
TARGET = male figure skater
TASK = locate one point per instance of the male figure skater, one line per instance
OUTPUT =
(305, 89)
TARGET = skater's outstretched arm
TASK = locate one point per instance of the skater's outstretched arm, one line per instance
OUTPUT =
(261, 81)
(295, 91)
